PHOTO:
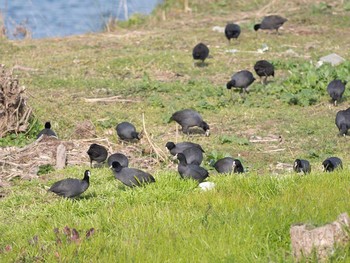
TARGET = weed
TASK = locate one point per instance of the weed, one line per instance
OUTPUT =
(45, 169)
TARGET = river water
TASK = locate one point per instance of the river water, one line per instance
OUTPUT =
(57, 18)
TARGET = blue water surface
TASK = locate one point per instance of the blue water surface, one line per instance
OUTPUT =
(58, 18)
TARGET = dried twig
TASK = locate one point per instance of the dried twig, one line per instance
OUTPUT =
(160, 154)
(109, 99)
(19, 67)
(275, 150)
(264, 140)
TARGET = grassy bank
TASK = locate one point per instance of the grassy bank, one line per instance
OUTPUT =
(245, 219)
(148, 62)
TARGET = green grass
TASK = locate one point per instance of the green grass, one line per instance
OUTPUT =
(245, 218)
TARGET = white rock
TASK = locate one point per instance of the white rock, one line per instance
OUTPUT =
(206, 186)
(219, 29)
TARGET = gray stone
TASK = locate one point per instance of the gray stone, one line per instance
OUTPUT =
(333, 59)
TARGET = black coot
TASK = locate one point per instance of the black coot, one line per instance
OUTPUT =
(193, 155)
(232, 31)
(242, 79)
(342, 120)
(181, 146)
(71, 187)
(336, 90)
(127, 131)
(301, 165)
(200, 52)
(47, 131)
(332, 163)
(118, 157)
(264, 69)
(272, 22)
(228, 165)
(191, 171)
(97, 153)
(130, 176)
(189, 118)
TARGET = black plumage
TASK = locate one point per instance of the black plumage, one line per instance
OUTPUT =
(189, 118)
(47, 131)
(127, 131)
(118, 157)
(241, 79)
(181, 146)
(342, 120)
(193, 155)
(232, 31)
(272, 22)
(191, 171)
(71, 187)
(228, 165)
(336, 90)
(200, 52)
(332, 163)
(97, 153)
(301, 165)
(264, 69)
(130, 176)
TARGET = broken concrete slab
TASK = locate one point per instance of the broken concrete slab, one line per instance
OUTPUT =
(333, 59)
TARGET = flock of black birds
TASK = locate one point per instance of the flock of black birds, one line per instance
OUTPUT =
(188, 154)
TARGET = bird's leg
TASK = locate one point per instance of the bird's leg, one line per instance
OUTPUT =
(177, 132)
(265, 80)
(261, 80)
(185, 130)
(90, 163)
(232, 96)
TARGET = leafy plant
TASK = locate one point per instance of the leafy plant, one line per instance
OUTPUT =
(213, 156)
(233, 139)
(45, 169)
(22, 139)
(306, 83)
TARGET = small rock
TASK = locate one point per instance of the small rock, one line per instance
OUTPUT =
(333, 58)
(206, 186)
(219, 29)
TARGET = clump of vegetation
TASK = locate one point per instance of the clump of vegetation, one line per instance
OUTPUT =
(45, 169)
(306, 84)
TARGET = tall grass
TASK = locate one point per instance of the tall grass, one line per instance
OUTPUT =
(244, 219)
